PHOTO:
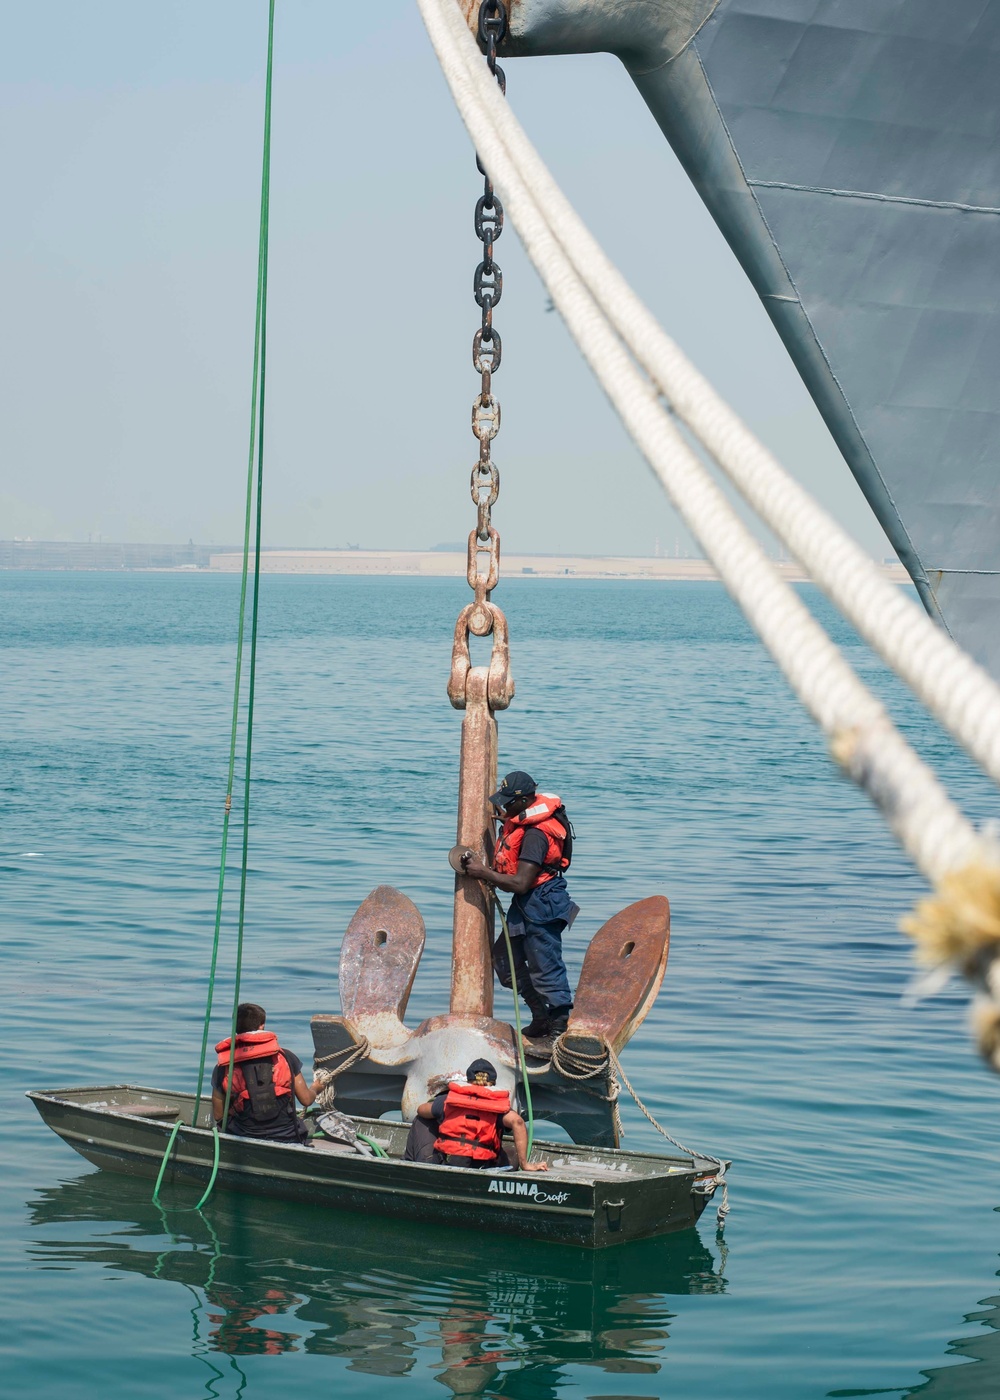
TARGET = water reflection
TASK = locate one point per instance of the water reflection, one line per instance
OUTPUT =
(978, 1380)
(480, 1312)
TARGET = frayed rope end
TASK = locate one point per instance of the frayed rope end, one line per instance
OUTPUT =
(958, 926)
(960, 922)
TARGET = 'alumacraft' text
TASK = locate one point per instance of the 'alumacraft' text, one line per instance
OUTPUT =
(524, 1188)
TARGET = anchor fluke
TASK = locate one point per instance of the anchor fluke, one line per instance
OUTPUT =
(378, 962)
(621, 974)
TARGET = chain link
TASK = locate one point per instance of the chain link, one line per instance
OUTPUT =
(487, 288)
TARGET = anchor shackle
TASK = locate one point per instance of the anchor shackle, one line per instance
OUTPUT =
(481, 619)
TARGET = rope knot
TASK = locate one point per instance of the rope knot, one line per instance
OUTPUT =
(328, 1067)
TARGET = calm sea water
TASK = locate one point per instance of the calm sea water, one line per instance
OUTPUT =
(861, 1256)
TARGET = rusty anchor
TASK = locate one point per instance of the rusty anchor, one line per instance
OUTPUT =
(393, 1066)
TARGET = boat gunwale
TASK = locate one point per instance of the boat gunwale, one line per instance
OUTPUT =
(697, 1167)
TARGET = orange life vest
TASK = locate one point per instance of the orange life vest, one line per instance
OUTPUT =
(267, 1079)
(471, 1123)
(540, 815)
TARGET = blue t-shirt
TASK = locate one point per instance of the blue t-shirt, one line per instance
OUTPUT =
(534, 846)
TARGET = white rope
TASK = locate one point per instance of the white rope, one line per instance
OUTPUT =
(952, 686)
(862, 737)
(577, 1064)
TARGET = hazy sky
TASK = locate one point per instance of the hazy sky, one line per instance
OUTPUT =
(131, 145)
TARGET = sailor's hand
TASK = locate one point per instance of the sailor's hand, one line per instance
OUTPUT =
(535, 1167)
(475, 867)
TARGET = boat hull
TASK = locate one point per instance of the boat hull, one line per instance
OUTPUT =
(848, 153)
(590, 1197)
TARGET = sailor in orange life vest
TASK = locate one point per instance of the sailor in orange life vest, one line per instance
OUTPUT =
(530, 857)
(463, 1126)
(266, 1082)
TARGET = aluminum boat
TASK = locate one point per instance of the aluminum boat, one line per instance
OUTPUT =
(592, 1197)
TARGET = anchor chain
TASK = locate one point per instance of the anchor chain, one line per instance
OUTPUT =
(487, 348)
(480, 691)
(483, 618)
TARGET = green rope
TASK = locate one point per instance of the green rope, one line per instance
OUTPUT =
(166, 1158)
(234, 727)
(517, 1025)
(260, 348)
(255, 478)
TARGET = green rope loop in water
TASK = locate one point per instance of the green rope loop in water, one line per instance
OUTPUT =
(255, 480)
(166, 1158)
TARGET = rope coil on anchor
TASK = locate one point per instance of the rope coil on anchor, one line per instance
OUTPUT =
(348, 1055)
(578, 1065)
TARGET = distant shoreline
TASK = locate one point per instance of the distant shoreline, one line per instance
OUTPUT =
(360, 563)
(98, 556)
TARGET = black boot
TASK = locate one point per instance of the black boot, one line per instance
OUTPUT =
(558, 1019)
(540, 1013)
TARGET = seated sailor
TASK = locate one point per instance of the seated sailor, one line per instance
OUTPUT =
(463, 1126)
(267, 1080)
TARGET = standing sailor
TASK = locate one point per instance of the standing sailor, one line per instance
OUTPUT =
(534, 849)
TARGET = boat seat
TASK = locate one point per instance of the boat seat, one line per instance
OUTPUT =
(589, 1171)
(147, 1110)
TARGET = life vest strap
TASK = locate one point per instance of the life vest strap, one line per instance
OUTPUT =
(467, 1147)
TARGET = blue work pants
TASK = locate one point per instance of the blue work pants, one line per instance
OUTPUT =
(538, 963)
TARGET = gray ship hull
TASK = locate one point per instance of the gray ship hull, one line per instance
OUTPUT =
(849, 152)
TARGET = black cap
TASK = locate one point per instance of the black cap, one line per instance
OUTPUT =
(516, 784)
(481, 1067)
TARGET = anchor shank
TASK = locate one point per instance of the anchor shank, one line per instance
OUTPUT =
(472, 966)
